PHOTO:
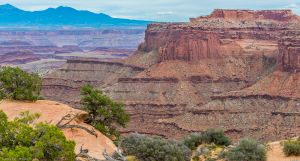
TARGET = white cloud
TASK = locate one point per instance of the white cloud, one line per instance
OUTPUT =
(293, 6)
(165, 13)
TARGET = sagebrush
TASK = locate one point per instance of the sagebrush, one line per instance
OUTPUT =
(292, 147)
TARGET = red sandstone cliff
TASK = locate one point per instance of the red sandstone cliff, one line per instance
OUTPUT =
(236, 70)
(250, 15)
(289, 57)
(219, 34)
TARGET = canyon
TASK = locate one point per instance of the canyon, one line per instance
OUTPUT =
(43, 50)
(238, 70)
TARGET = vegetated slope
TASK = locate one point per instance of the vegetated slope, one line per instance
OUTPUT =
(52, 112)
(234, 69)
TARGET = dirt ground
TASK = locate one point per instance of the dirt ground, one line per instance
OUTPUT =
(275, 153)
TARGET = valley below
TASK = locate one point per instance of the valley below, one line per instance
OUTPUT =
(43, 50)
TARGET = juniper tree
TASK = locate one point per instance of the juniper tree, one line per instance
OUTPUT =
(104, 114)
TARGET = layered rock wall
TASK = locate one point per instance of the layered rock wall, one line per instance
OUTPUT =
(64, 84)
(250, 15)
(193, 44)
(290, 54)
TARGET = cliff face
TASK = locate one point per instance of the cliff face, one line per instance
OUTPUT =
(236, 70)
(250, 15)
(219, 34)
(290, 54)
(195, 44)
(64, 84)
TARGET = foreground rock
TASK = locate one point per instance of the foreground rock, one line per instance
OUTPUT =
(52, 112)
(235, 69)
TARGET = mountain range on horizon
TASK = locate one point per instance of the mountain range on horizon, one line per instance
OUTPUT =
(11, 16)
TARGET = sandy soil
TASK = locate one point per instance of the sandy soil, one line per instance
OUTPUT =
(52, 112)
(275, 153)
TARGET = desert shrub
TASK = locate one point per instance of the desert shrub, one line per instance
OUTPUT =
(2, 95)
(247, 150)
(104, 113)
(196, 158)
(215, 136)
(20, 140)
(154, 148)
(192, 140)
(17, 84)
(210, 159)
(292, 147)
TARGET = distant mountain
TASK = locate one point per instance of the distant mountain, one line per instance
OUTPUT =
(60, 16)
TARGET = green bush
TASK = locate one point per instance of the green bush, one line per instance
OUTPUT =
(193, 140)
(104, 113)
(20, 140)
(215, 136)
(292, 147)
(16, 84)
(247, 150)
(154, 148)
(2, 95)
(210, 159)
(196, 158)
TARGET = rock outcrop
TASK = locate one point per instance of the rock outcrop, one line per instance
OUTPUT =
(290, 54)
(250, 15)
(190, 44)
(234, 69)
(52, 112)
(220, 34)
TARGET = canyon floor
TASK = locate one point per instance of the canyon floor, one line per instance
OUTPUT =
(41, 51)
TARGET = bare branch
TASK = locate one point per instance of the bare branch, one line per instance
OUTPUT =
(69, 118)
(92, 131)
(84, 154)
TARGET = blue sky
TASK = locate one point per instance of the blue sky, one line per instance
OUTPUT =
(156, 10)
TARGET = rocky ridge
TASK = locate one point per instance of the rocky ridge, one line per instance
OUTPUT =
(234, 69)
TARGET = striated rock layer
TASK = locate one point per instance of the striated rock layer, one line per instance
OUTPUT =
(234, 69)
(250, 15)
(290, 53)
(64, 84)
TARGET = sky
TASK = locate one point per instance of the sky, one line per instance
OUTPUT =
(156, 10)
